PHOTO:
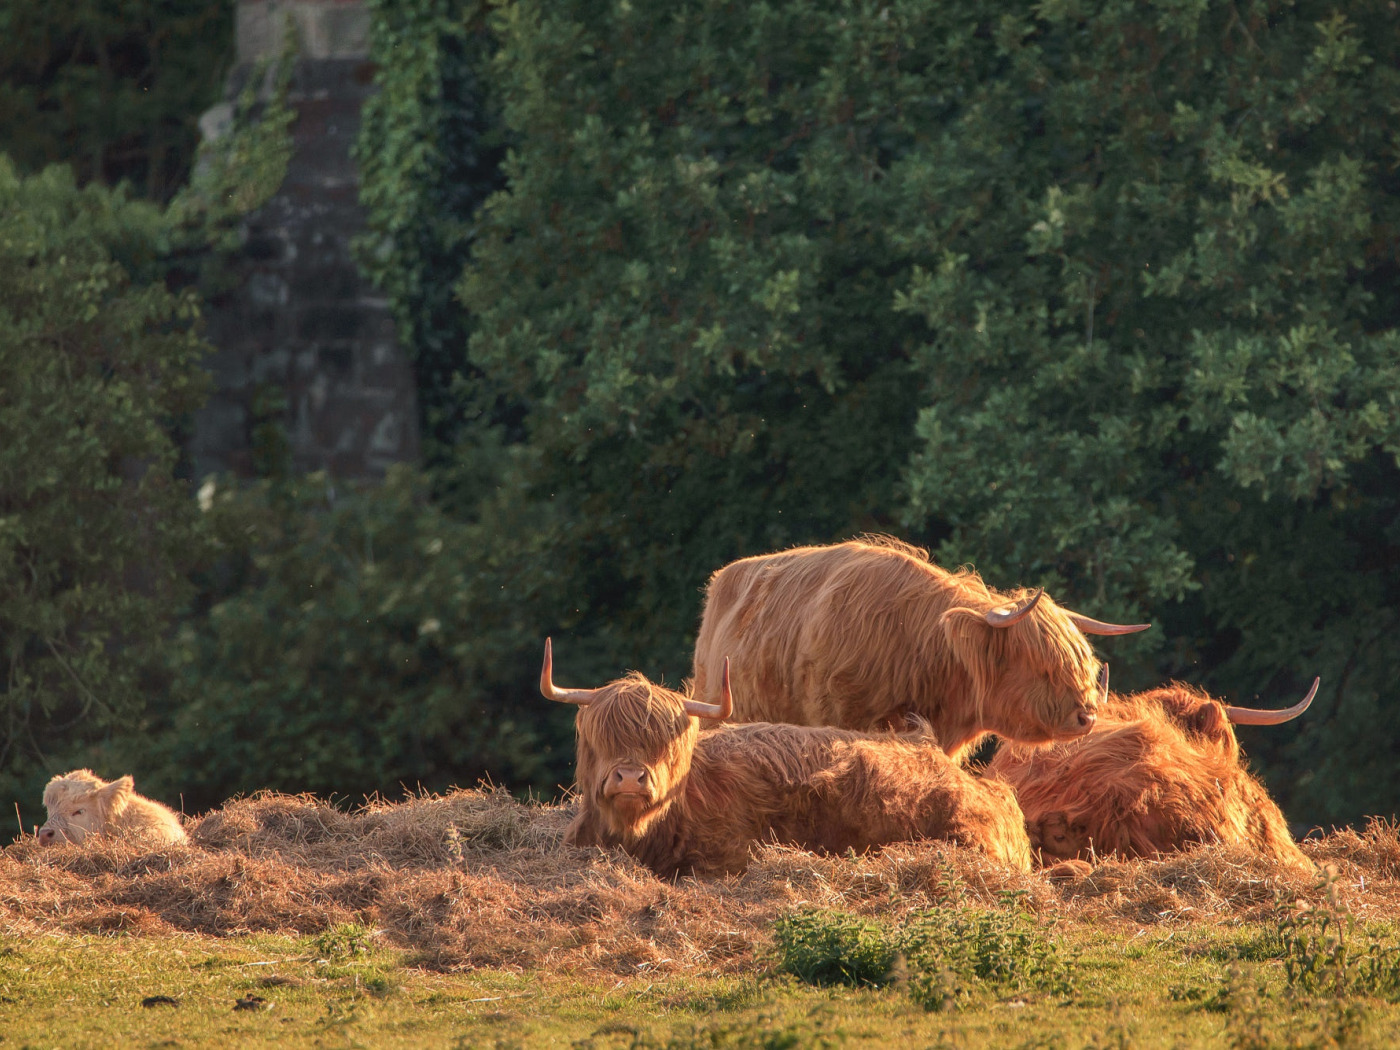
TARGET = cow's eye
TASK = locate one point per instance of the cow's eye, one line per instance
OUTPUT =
(79, 812)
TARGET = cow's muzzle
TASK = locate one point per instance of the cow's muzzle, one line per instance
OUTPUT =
(1080, 723)
(48, 837)
(630, 781)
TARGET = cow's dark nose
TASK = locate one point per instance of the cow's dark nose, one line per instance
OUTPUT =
(47, 836)
(1087, 720)
(629, 777)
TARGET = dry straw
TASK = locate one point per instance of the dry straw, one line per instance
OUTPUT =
(477, 878)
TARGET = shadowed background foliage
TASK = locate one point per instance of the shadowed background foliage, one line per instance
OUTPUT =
(1100, 297)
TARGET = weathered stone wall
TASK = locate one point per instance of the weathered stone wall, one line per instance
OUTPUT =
(303, 338)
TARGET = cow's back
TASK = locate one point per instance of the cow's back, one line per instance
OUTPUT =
(832, 790)
(1142, 789)
(150, 821)
(836, 635)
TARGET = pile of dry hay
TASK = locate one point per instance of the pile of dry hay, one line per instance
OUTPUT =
(477, 878)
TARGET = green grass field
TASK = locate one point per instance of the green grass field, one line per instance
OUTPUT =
(1163, 988)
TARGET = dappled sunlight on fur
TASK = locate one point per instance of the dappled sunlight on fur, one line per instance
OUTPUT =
(685, 803)
(81, 804)
(861, 634)
(1161, 771)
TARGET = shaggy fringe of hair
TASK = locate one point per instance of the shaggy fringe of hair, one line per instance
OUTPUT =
(476, 878)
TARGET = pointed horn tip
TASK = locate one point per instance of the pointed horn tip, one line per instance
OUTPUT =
(582, 697)
(1254, 716)
(1089, 625)
(720, 711)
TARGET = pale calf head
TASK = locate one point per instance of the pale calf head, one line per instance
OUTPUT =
(635, 743)
(80, 804)
(1031, 663)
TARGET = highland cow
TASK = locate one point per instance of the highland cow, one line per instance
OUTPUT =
(1161, 772)
(81, 805)
(685, 802)
(861, 634)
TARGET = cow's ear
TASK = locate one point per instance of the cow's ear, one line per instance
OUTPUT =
(1210, 721)
(970, 638)
(118, 789)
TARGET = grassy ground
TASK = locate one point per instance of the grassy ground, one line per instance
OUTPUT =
(1154, 990)
(464, 921)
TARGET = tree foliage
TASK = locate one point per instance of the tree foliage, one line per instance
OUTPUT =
(687, 284)
(99, 372)
(349, 640)
(113, 89)
(1100, 297)
(429, 153)
(1164, 325)
(96, 359)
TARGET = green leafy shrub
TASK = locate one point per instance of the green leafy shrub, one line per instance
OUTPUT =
(353, 640)
(945, 957)
(112, 89)
(954, 953)
(1322, 953)
(97, 359)
(821, 947)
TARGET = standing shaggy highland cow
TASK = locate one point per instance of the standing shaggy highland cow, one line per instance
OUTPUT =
(685, 802)
(1161, 772)
(861, 634)
(80, 804)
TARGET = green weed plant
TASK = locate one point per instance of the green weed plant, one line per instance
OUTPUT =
(944, 957)
(1322, 954)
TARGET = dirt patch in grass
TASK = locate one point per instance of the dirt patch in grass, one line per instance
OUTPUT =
(477, 878)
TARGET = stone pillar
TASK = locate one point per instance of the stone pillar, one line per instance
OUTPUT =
(304, 329)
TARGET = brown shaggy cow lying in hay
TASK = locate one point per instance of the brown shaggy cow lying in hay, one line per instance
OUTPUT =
(683, 802)
(861, 634)
(1161, 771)
(81, 804)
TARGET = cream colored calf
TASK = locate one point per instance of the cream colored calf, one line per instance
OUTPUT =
(82, 804)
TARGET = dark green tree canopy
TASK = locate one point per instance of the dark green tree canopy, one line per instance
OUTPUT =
(97, 360)
(1099, 297)
(112, 88)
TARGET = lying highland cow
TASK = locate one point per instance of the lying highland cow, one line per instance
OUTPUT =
(685, 802)
(861, 634)
(1161, 771)
(82, 804)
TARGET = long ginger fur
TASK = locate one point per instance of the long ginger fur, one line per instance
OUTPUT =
(715, 795)
(1160, 772)
(863, 633)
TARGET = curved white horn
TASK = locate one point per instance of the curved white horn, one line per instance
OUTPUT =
(1005, 617)
(1089, 625)
(553, 692)
(1253, 716)
(721, 710)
